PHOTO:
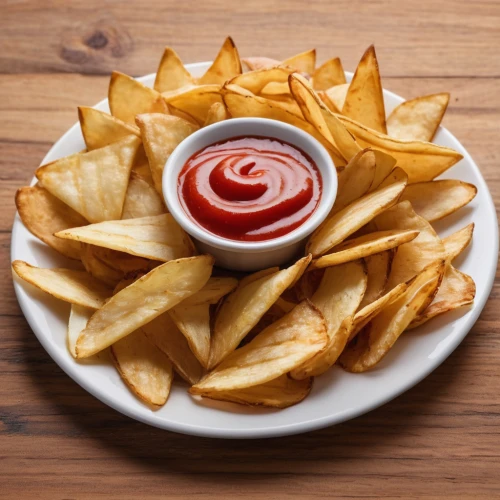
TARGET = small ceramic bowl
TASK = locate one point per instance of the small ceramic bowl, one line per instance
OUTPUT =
(249, 255)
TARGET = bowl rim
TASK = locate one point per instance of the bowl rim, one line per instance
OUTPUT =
(226, 130)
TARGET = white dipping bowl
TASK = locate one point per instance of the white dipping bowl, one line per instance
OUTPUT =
(249, 255)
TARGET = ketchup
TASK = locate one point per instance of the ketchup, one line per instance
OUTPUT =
(250, 188)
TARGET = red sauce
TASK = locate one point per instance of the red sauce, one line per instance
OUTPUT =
(250, 188)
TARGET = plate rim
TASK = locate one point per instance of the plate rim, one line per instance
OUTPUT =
(262, 432)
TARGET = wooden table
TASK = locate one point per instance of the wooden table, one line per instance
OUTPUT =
(440, 439)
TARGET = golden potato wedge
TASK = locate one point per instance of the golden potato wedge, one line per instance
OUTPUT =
(161, 289)
(93, 184)
(43, 215)
(364, 101)
(100, 129)
(329, 74)
(216, 113)
(171, 73)
(377, 338)
(335, 96)
(158, 237)
(244, 307)
(364, 315)
(456, 290)
(192, 316)
(378, 267)
(128, 98)
(304, 62)
(323, 120)
(364, 246)
(226, 65)
(143, 367)
(338, 297)
(355, 180)
(419, 118)
(196, 101)
(111, 266)
(422, 161)
(75, 287)
(434, 200)
(344, 223)
(141, 199)
(161, 134)
(457, 242)
(165, 335)
(280, 348)
(385, 164)
(281, 392)
(257, 81)
(78, 318)
(414, 256)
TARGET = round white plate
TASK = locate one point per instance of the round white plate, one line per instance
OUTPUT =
(336, 396)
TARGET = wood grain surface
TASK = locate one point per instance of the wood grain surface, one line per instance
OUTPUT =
(439, 440)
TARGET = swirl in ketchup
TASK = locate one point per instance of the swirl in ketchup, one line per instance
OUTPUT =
(250, 188)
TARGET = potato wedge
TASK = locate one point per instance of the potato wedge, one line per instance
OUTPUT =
(257, 81)
(457, 290)
(216, 113)
(242, 310)
(251, 106)
(422, 161)
(344, 223)
(128, 98)
(43, 215)
(335, 96)
(457, 242)
(419, 118)
(338, 297)
(192, 316)
(171, 73)
(329, 74)
(364, 246)
(385, 164)
(99, 269)
(434, 200)
(303, 62)
(158, 237)
(377, 338)
(355, 180)
(412, 257)
(99, 129)
(226, 65)
(323, 120)
(165, 335)
(141, 199)
(364, 315)
(143, 367)
(111, 266)
(93, 184)
(196, 101)
(75, 287)
(378, 267)
(78, 319)
(364, 101)
(281, 392)
(161, 289)
(161, 134)
(280, 348)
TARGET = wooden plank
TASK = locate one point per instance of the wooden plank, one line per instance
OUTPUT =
(413, 38)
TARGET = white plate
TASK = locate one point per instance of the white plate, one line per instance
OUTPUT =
(336, 396)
